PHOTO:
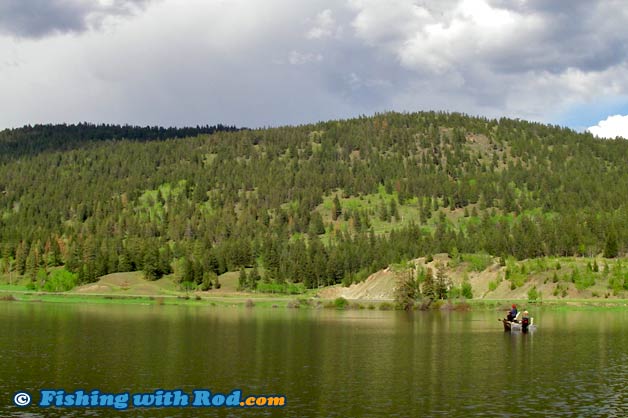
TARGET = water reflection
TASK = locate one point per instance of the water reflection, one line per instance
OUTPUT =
(328, 363)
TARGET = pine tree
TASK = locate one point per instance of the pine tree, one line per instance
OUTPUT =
(20, 257)
(408, 290)
(31, 263)
(209, 277)
(124, 264)
(428, 287)
(384, 215)
(336, 210)
(317, 227)
(442, 283)
(242, 280)
(394, 210)
(254, 277)
(151, 263)
(165, 258)
(611, 248)
(6, 258)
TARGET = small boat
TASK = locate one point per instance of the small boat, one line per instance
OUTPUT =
(517, 326)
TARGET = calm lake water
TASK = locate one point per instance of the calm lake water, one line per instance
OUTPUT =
(327, 363)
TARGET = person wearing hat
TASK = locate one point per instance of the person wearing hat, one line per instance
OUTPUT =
(512, 314)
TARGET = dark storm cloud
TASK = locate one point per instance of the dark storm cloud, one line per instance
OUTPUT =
(38, 18)
(271, 62)
(581, 34)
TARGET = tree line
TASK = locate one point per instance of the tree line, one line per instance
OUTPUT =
(197, 202)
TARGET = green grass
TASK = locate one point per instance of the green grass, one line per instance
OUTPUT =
(284, 301)
(13, 287)
(408, 212)
(553, 304)
(478, 262)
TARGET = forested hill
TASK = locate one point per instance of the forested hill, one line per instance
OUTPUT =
(30, 140)
(316, 204)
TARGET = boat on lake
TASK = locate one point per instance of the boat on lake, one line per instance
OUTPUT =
(516, 326)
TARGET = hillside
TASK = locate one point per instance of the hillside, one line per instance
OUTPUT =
(537, 279)
(318, 204)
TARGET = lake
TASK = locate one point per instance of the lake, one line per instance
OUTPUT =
(327, 363)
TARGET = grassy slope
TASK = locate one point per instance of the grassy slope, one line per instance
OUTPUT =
(553, 278)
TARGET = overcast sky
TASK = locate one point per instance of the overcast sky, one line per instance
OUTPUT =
(264, 63)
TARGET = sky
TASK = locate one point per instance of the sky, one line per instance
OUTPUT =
(274, 62)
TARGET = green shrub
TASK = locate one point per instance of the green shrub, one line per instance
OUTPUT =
(283, 288)
(340, 303)
(585, 280)
(385, 306)
(454, 293)
(187, 286)
(533, 294)
(467, 290)
(60, 280)
(541, 264)
(479, 262)
(347, 280)
(361, 275)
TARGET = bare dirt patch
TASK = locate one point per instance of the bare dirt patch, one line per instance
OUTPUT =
(378, 286)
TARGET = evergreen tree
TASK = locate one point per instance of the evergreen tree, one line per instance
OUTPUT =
(31, 263)
(243, 281)
(611, 248)
(428, 287)
(394, 210)
(336, 210)
(151, 263)
(408, 290)
(442, 282)
(254, 278)
(20, 257)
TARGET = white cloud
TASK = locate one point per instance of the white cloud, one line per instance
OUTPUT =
(521, 59)
(387, 24)
(299, 58)
(441, 39)
(255, 63)
(611, 127)
(324, 26)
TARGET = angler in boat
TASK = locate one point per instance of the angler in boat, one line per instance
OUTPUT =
(512, 314)
(512, 323)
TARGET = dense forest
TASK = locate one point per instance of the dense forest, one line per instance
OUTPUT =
(314, 204)
(31, 140)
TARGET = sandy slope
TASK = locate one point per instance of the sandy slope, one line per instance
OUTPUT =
(382, 284)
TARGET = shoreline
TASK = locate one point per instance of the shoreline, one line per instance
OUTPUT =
(302, 302)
